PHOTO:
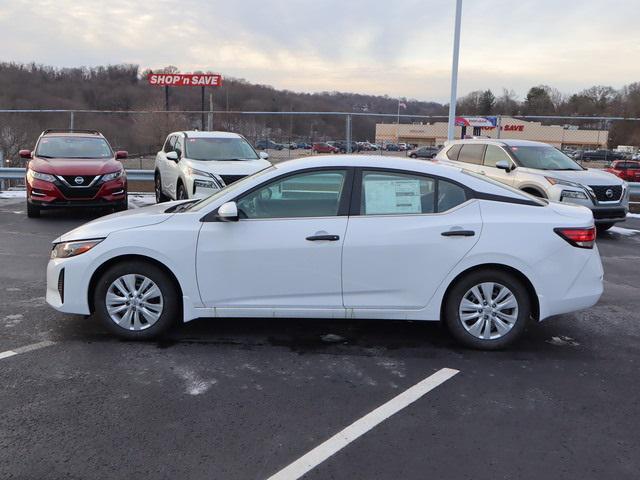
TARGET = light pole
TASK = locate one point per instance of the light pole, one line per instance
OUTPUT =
(454, 72)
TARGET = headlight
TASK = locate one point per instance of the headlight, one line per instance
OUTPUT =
(45, 177)
(205, 184)
(112, 176)
(71, 249)
(193, 171)
(557, 181)
(573, 194)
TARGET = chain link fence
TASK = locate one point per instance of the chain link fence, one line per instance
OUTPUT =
(288, 135)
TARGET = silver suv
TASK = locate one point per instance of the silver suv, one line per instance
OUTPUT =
(544, 171)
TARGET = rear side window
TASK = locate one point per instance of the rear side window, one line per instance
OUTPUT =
(450, 195)
(387, 193)
(471, 153)
(453, 152)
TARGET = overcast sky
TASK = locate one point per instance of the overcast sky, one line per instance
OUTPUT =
(399, 48)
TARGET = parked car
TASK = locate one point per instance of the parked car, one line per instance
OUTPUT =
(268, 144)
(304, 145)
(424, 152)
(290, 146)
(625, 169)
(195, 164)
(74, 169)
(543, 171)
(392, 147)
(604, 155)
(324, 147)
(410, 241)
(342, 146)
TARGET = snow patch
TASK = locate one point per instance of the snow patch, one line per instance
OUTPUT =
(563, 341)
(627, 232)
(12, 320)
(194, 384)
(13, 194)
(139, 200)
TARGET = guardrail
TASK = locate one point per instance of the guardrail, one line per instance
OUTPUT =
(15, 173)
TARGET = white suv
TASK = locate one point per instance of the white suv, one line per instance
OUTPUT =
(544, 171)
(196, 164)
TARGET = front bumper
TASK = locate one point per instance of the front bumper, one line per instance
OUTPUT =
(70, 295)
(603, 212)
(50, 195)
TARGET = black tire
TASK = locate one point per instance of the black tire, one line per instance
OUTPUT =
(454, 298)
(413, 155)
(160, 196)
(181, 192)
(171, 308)
(603, 227)
(122, 205)
(32, 211)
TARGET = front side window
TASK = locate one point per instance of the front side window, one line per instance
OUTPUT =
(543, 157)
(471, 153)
(310, 194)
(386, 193)
(219, 149)
(168, 145)
(494, 155)
(73, 147)
(177, 147)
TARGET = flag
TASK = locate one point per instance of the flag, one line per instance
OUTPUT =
(402, 104)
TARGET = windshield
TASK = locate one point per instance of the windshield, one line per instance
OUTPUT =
(235, 186)
(543, 158)
(73, 147)
(219, 149)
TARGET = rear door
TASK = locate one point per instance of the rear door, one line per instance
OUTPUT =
(407, 232)
(471, 154)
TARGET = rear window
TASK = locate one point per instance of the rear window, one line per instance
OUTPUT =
(453, 152)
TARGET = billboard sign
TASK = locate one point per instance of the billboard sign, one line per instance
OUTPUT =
(185, 79)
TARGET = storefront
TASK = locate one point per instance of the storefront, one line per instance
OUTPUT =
(561, 136)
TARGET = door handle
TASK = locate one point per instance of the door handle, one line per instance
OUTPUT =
(330, 238)
(458, 233)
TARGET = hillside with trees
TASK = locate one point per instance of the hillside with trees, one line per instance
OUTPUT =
(124, 88)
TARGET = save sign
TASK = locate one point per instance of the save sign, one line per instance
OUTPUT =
(185, 79)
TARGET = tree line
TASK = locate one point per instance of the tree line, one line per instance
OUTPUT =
(124, 88)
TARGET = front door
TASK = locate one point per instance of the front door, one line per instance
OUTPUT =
(285, 250)
(492, 155)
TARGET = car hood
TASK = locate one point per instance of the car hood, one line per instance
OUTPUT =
(589, 176)
(75, 166)
(229, 167)
(103, 226)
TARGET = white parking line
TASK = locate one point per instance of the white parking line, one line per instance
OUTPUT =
(361, 426)
(26, 348)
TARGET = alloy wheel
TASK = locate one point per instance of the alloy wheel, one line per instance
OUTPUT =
(488, 310)
(134, 302)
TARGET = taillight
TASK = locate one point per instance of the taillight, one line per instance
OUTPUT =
(578, 237)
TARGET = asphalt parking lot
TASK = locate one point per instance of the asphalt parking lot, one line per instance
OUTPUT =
(244, 399)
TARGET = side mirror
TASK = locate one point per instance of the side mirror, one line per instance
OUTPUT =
(25, 153)
(173, 155)
(121, 154)
(504, 165)
(264, 155)
(228, 212)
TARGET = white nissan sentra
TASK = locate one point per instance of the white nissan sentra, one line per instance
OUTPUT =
(336, 237)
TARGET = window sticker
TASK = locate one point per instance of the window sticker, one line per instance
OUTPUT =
(392, 196)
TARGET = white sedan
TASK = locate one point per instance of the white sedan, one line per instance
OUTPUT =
(336, 237)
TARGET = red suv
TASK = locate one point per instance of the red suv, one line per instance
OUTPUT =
(324, 148)
(74, 168)
(628, 170)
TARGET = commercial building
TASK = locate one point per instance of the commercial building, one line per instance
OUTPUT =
(561, 136)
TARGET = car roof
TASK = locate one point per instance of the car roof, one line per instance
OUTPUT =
(204, 134)
(499, 141)
(71, 134)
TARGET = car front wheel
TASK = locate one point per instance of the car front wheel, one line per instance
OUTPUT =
(32, 211)
(136, 300)
(160, 196)
(487, 309)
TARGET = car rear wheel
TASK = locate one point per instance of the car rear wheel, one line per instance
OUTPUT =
(160, 196)
(487, 309)
(136, 300)
(603, 227)
(32, 211)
